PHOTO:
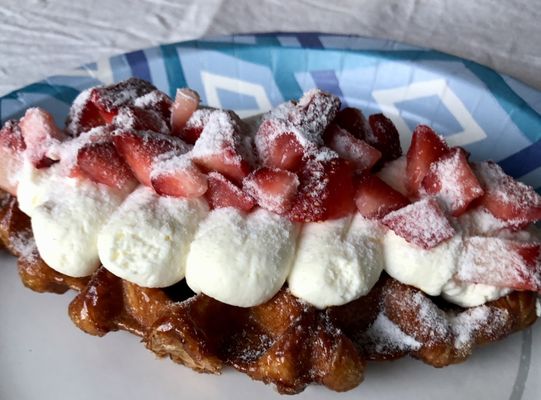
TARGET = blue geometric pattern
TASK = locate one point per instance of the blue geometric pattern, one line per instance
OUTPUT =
(492, 115)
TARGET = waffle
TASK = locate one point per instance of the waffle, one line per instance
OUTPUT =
(284, 342)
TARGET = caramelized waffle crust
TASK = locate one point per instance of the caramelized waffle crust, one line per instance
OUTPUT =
(284, 341)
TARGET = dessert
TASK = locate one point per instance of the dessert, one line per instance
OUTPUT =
(294, 249)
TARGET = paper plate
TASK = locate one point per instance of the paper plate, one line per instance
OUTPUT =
(42, 355)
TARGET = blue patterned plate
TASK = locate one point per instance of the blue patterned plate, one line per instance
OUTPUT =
(492, 115)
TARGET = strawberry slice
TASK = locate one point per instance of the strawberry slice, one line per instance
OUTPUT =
(157, 101)
(40, 134)
(178, 177)
(384, 137)
(361, 154)
(11, 159)
(353, 121)
(375, 199)
(426, 147)
(194, 126)
(100, 162)
(141, 149)
(111, 98)
(273, 189)
(280, 149)
(186, 102)
(422, 223)
(224, 193)
(140, 119)
(221, 148)
(452, 180)
(326, 189)
(501, 262)
(506, 198)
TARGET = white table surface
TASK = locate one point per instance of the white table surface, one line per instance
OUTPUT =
(45, 37)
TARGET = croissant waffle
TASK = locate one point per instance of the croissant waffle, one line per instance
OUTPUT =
(284, 341)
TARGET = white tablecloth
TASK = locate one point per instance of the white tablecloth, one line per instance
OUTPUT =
(45, 37)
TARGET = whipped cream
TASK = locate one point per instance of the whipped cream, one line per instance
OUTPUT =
(337, 261)
(66, 216)
(146, 241)
(241, 259)
(471, 294)
(428, 270)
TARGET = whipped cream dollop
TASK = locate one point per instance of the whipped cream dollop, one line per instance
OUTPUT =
(146, 241)
(337, 261)
(66, 216)
(241, 259)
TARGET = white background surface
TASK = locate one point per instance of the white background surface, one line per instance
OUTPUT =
(39, 38)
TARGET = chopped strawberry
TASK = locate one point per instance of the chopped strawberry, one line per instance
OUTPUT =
(384, 137)
(353, 121)
(453, 181)
(361, 154)
(194, 126)
(186, 102)
(11, 147)
(141, 149)
(178, 177)
(326, 190)
(157, 101)
(85, 115)
(111, 98)
(282, 149)
(506, 198)
(426, 147)
(221, 148)
(40, 133)
(315, 111)
(375, 199)
(140, 119)
(100, 162)
(501, 262)
(422, 223)
(224, 193)
(273, 189)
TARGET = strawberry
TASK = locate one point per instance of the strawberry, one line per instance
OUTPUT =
(141, 149)
(178, 177)
(501, 262)
(315, 111)
(384, 137)
(111, 98)
(140, 119)
(426, 147)
(100, 162)
(40, 134)
(273, 189)
(422, 223)
(221, 148)
(85, 115)
(194, 126)
(375, 199)
(11, 147)
(361, 154)
(283, 150)
(325, 191)
(506, 198)
(224, 193)
(186, 102)
(452, 180)
(353, 121)
(157, 101)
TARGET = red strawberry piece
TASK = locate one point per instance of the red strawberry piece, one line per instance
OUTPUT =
(157, 101)
(224, 193)
(426, 147)
(315, 110)
(506, 198)
(273, 189)
(353, 121)
(326, 190)
(384, 136)
(141, 149)
(111, 98)
(500, 262)
(40, 134)
(178, 177)
(186, 102)
(361, 154)
(100, 162)
(422, 223)
(85, 115)
(194, 126)
(140, 119)
(11, 147)
(452, 180)
(221, 148)
(375, 199)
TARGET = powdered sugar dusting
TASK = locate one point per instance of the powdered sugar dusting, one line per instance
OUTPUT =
(387, 338)
(484, 320)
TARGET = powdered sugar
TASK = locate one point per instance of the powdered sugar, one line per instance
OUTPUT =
(386, 337)
(482, 320)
